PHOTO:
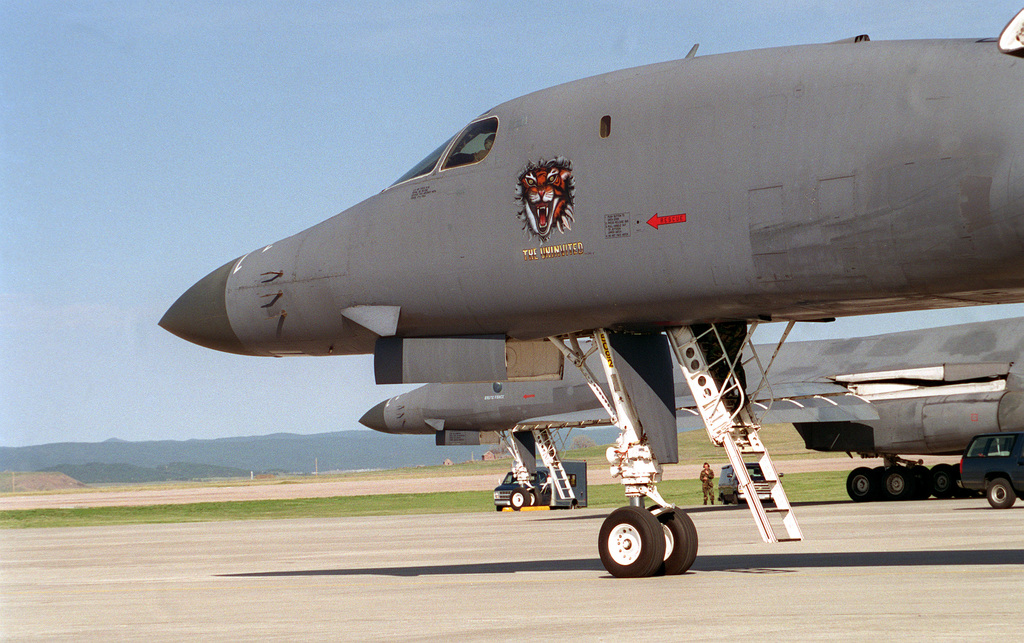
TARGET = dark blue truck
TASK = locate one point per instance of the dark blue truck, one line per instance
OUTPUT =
(994, 463)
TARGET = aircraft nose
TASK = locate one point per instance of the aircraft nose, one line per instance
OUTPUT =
(374, 418)
(201, 316)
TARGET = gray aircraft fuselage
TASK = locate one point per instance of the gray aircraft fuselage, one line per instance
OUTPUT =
(816, 181)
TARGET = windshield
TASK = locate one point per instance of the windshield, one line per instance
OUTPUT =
(474, 144)
(424, 166)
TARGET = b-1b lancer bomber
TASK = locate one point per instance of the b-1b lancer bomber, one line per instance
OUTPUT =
(659, 212)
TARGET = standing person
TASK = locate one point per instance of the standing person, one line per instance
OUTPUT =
(707, 481)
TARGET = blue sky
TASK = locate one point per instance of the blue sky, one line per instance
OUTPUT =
(144, 144)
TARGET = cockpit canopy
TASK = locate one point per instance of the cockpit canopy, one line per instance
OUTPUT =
(471, 145)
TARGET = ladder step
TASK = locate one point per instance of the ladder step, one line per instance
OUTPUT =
(732, 428)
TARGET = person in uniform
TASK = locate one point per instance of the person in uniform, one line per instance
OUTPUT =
(707, 481)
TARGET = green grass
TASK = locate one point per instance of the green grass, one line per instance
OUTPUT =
(801, 487)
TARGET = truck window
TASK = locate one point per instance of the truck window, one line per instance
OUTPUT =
(993, 446)
(1000, 447)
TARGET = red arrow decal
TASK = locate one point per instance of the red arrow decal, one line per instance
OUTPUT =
(656, 221)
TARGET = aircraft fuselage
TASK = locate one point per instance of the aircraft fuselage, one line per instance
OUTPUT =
(796, 183)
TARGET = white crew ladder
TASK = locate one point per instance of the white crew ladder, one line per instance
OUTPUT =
(548, 452)
(725, 410)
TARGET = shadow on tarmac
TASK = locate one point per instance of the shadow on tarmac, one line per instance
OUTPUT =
(742, 563)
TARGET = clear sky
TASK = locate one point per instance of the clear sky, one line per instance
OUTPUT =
(144, 144)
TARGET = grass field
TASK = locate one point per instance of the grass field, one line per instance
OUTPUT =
(801, 487)
(782, 440)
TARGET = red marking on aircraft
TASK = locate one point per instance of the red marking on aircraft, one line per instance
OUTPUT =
(656, 220)
(529, 396)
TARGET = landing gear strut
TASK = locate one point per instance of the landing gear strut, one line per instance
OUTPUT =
(635, 541)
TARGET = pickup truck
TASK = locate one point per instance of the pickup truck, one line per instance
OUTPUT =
(994, 463)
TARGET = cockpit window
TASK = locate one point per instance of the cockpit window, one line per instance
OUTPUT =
(424, 166)
(473, 145)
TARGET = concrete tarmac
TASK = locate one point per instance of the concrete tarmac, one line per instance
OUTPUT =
(912, 570)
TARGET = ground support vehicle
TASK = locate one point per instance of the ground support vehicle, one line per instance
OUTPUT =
(515, 496)
(994, 463)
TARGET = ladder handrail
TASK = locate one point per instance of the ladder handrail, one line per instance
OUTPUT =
(733, 429)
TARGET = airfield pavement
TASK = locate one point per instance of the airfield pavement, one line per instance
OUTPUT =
(905, 571)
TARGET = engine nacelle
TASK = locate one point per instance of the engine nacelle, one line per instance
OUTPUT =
(476, 358)
(933, 425)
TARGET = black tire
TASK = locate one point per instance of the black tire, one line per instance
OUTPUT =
(922, 482)
(898, 484)
(958, 487)
(680, 543)
(943, 481)
(862, 485)
(1000, 493)
(631, 543)
(520, 498)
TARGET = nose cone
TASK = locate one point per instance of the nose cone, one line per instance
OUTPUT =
(374, 418)
(201, 316)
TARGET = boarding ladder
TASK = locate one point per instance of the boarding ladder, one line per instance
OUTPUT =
(548, 452)
(730, 423)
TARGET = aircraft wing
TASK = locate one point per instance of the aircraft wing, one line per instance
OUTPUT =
(812, 402)
(835, 407)
(575, 420)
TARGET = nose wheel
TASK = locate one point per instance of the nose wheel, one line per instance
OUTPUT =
(634, 543)
(631, 543)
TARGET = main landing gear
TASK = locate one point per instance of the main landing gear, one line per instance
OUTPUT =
(903, 479)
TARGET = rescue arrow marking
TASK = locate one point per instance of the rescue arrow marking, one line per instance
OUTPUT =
(656, 221)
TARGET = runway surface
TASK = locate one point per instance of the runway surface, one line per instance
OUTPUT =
(911, 570)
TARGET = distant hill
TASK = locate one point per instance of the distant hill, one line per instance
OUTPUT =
(37, 481)
(280, 452)
(97, 472)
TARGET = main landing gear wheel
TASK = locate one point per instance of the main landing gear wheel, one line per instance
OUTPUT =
(1000, 494)
(943, 481)
(862, 485)
(680, 543)
(898, 483)
(520, 498)
(631, 543)
(922, 482)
